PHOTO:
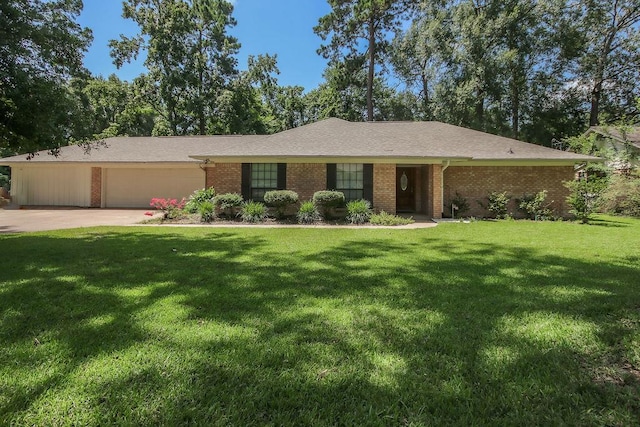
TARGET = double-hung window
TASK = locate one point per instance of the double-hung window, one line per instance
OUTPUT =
(258, 178)
(355, 180)
(350, 180)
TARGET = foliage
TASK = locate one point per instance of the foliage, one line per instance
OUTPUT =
(584, 197)
(387, 219)
(459, 205)
(328, 200)
(359, 211)
(622, 196)
(535, 207)
(189, 56)
(228, 203)
(253, 211)
(308, 213)
(198, 198)
(497, 204)
(356, 25)
(207, 211)
(5, 180)
(280, 199)
(42, 47)
(171, 208)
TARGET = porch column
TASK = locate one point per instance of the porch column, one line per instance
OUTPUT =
(434, 207)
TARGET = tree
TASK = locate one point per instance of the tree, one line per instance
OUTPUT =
(42, 49)
(352, 21)
(190, 57)
(112, 107)
(609, 64)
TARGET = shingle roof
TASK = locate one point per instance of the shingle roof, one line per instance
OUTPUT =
(330, 138)
(632, 134)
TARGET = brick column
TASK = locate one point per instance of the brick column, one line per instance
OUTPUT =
(384, 187)
(435, 192)
(96, 187)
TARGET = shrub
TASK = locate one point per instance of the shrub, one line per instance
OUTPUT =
(535, 207)
(198, 197)
(253, 211)
(497, 204)
(207, 211)
(459, 205)
(228, 203)
(308, 213)
(359, 211)
(280, 200)
(171, 208)
(384, 218)
(327, 200)
(584, 197)
(622, 196)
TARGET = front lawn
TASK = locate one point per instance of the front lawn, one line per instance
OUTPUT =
(488, 323)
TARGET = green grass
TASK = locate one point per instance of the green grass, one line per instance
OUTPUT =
(488, 323)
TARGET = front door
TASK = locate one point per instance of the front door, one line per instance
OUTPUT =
(405, 189)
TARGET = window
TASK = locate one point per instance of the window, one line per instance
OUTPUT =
(355, 180)
(258, 178)
(350, 180)
(264, 177)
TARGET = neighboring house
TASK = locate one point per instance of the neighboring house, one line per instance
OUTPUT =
(413, 167)
(621, 144)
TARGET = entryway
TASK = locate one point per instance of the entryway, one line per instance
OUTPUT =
(405, 189)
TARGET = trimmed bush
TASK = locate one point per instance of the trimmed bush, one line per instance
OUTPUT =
(280, 200)
(535, 207)
(253, 212)
(228, 203)
(327, 200)
(384, 218)
(207, 211)
(359, 211)
(308, 213)
(198, 197)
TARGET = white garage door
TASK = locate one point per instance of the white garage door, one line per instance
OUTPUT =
(51, 186)
(134, 188)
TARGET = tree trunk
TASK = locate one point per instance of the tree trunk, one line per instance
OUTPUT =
(370, 75)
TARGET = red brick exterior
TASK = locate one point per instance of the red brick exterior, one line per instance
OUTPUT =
(471, 182)
(96, 187)
(306, 178)
(475, 182)
(224, 177)
(384, 187)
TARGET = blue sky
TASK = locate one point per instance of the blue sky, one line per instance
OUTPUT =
(282, 27)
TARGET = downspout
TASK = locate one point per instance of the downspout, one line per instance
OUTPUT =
(442, 187)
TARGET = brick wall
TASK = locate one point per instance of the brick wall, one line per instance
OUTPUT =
(96, 187)
(434, 184)
(225, 177)
(384, 187)
(306, 178)
(475, 182)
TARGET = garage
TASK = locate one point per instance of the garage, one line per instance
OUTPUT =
(63, 185)
(135, 187)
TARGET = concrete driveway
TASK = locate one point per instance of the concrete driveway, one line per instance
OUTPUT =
(43, 219)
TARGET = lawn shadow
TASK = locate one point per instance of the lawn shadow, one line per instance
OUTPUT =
(368, 329)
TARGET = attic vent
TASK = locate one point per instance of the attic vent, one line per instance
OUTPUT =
(510, 151)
